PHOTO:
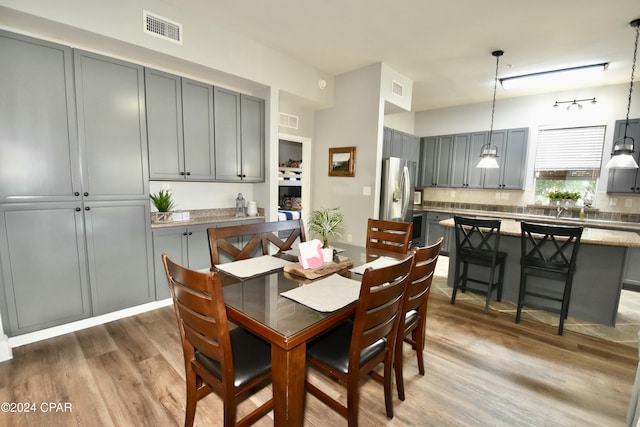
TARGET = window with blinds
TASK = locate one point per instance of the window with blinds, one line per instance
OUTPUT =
(569, 152)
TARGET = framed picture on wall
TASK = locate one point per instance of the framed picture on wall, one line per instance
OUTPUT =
(342, 161)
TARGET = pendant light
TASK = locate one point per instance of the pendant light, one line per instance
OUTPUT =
(623, 148)
(489, 152)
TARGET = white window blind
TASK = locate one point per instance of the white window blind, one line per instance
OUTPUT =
(567, 149)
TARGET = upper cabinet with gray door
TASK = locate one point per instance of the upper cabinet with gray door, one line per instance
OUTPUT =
(239, 136)
(180, 127)
(625, 180)
(512, 157)
(112, 127)
(435, 161)
(464, 158)
(38, 140)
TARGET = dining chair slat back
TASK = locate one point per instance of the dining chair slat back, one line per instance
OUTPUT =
(229, 241)
(391, 236)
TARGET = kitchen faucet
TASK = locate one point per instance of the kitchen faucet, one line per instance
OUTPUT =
(560, 210)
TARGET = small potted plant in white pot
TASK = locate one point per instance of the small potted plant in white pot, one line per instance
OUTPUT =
(325, 222)
(164, 203)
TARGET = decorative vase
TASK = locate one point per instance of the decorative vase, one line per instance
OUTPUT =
(160, 216)
(252, 209)
(327, 254)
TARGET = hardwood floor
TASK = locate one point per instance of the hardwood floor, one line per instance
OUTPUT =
(481, 370)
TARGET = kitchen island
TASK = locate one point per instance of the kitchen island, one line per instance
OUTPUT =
(598, 279)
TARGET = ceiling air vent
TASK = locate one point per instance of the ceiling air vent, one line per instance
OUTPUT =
(162, 27)
(288, 121)
(397, 88)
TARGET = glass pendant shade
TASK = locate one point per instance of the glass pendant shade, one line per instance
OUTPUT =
(622, 156)
(488, 157)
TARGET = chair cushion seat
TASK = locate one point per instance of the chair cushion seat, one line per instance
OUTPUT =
(251, 357)
(332, 348)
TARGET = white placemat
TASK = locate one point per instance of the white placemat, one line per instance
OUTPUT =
(253, 266)
(328, 294)
(383, 261)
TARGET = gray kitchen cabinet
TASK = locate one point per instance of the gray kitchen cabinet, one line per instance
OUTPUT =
(512, 154)
(119, 252)
(435, 161)
(163, 95)
(252, 138)
(464, 158)
(450, 160)
(39, 140)
(64, 261)
(188, 246)
(79, 244)
(113, 139)
(239, 136)
(400, 144)
(625, 180)
(631, 271)
(198, 131)
(435, 230)
(180, 127)
(44, 267)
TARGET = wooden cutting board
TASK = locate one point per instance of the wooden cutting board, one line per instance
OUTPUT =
(315, 273)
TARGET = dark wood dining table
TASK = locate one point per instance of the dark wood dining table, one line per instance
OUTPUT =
(255, 304)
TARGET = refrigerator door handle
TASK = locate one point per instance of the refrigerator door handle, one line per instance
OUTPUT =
(406, 190)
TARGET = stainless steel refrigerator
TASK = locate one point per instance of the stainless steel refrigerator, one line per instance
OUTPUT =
(396, 194)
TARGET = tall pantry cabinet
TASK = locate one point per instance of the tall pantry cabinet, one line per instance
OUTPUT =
(75, 239)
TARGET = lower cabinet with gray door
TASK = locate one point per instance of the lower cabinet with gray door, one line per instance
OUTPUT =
(66, 261)
(435, 230)
(187, 246)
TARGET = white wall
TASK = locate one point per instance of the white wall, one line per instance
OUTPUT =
(354, 120)
(532, 112)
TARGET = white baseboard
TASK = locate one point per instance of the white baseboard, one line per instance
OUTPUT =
(55, 331)
(5, 349)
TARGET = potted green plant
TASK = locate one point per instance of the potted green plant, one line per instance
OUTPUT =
(164, 203)
(325, 222)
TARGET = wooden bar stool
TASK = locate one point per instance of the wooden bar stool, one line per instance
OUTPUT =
(549, 252)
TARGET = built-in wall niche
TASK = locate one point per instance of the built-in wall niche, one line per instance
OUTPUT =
(290, 171)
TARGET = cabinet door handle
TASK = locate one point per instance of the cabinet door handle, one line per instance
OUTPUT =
(76, 194)
(78, 209)
(188, 173)
(182, 173)
(184, 234)
(86, 194)
(190, 233)
(87, 208)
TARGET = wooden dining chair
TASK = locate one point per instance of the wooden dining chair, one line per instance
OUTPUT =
(258, 237)
(233, 364)
(390, 236)
(414, 311)
(355, 347)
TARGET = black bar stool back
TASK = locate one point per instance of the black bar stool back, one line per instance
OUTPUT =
(477, 243)
(548, 251)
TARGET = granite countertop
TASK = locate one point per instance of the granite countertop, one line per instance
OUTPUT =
(593, 236)
(208, 216)
(590, 223)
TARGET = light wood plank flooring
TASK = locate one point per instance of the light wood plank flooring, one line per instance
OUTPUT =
(482, 370)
